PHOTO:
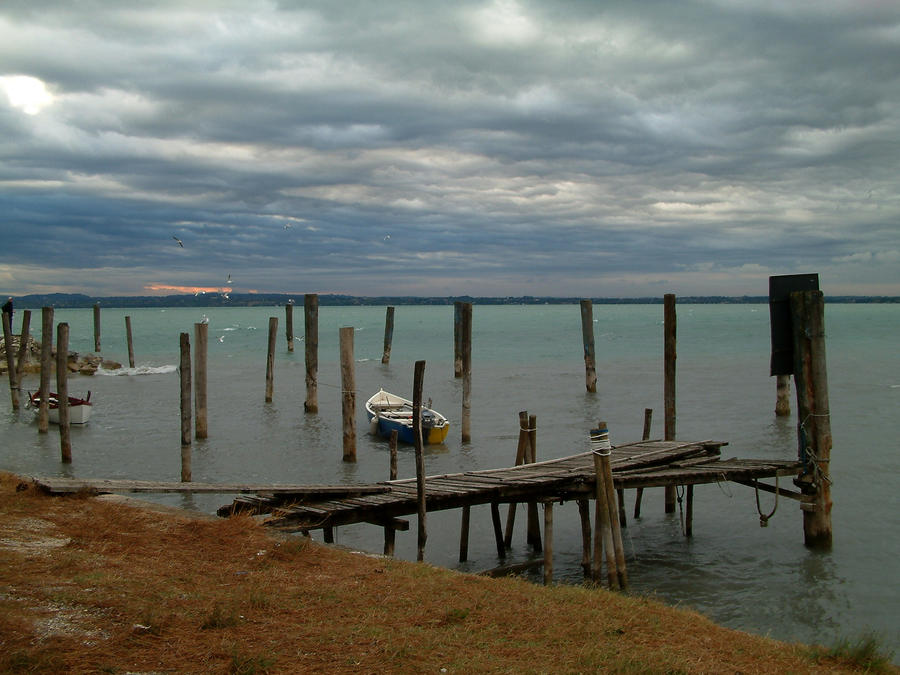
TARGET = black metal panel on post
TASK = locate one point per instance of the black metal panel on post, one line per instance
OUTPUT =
(780, 289)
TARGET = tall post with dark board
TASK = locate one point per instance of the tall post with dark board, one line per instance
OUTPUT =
(418, 382)
(669, 385)
(201, 333)
(97, 327)
(289, 325)
(184, 371)
(388, 335)
(466, 338)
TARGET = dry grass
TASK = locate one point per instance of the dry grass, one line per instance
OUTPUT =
(90, 586)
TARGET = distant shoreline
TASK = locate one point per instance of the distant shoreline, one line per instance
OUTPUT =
(79, 301)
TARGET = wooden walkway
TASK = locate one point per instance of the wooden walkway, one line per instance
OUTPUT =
(641, 464)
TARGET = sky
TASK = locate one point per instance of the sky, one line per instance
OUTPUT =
(500, 148)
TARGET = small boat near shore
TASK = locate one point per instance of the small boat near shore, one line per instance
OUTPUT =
(388, 412)
(79, 408)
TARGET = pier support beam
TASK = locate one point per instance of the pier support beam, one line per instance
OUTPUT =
(813, 417)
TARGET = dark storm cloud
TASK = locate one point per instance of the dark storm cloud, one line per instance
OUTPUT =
(506, 147)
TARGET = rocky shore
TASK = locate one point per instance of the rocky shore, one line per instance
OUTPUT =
(85, 364)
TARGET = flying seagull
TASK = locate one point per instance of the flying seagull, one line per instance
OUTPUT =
(178, 240)
(228, 281)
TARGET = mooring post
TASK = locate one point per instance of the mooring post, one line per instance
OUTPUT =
(390, 534)
(97, 327)
(548, 542)
(782, 395)
(464, 533)
(184, 370)
(129, 341)
(466, 422)
(457, 339)
(46, 367)
(585, 515)
(521, 450)
(270, 358)
(388, 335)
(498, 531)
(669, 386)
(62, 391)
(603, 531)
(201, 333)
(289, 325)
(639, 493)
(10, 361)
(614, 509)
(813, 416)
(534, 527)
(587, 338)
(418, 381)
(689, 511)
(348, 394)
(21, 357)
(311, 338)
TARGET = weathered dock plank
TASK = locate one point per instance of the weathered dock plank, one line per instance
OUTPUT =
(98, 486)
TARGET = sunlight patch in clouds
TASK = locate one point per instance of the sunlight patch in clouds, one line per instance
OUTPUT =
(27, 93)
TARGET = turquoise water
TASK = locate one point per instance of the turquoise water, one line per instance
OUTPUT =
(530, 358)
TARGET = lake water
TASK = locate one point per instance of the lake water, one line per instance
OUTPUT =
(743, 576)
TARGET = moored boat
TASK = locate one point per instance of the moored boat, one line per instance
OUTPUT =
(79, 408)
(388, 412)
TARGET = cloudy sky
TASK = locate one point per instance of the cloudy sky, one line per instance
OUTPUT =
(506, 147)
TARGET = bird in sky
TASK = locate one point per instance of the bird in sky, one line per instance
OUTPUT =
(228, 281)
(178, 240)
(387, 237)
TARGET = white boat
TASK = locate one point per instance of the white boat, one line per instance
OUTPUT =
(388, 412)
(79, 408)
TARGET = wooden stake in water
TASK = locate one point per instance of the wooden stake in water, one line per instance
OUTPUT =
(270, 358)
(46, 367)
(521, 452)
(389, 532)
(130, 342)
(311, 338)
(62, 391)
(813, 415)
(603, 527)
(548, 543)
(648, 418)
(587, 338)
(782, 395)
(466, 337)
(97, 327)
(534, 527)
(669, 385)
(289, 325)
(201, 340)
(10, 361)
(388, 335)
(418, 382)
(457, 339)
(184, 371)
(21, 357)
(348, 394)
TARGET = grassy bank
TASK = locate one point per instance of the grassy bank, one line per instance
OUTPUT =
(94, 586)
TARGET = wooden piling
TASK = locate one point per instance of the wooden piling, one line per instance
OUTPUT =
(22, 356)
(813, 416)
(10, 360)
(418, 381)
(548, 543)
(348, 394)
(62, 391)
(289, 325)
(201, 334)
(457, 339)
(129, 341)
(466, 338)
(464, 533)
(603, 529)
(689, 511)
(534, 527)
(639, 493)
(270, 358)
(587, 338)
(46, 367)
(782, 395)
(390, 534)
(97, 328)
(669, 385)
(184, 370)
(585, 516)
(614, 510)
(388, 335)
(498, 531)
(311, 338)
(521, 451)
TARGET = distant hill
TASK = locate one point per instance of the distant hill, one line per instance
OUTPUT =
(77, 300)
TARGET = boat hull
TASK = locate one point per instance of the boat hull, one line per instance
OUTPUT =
(79, 409)
(389, 412)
